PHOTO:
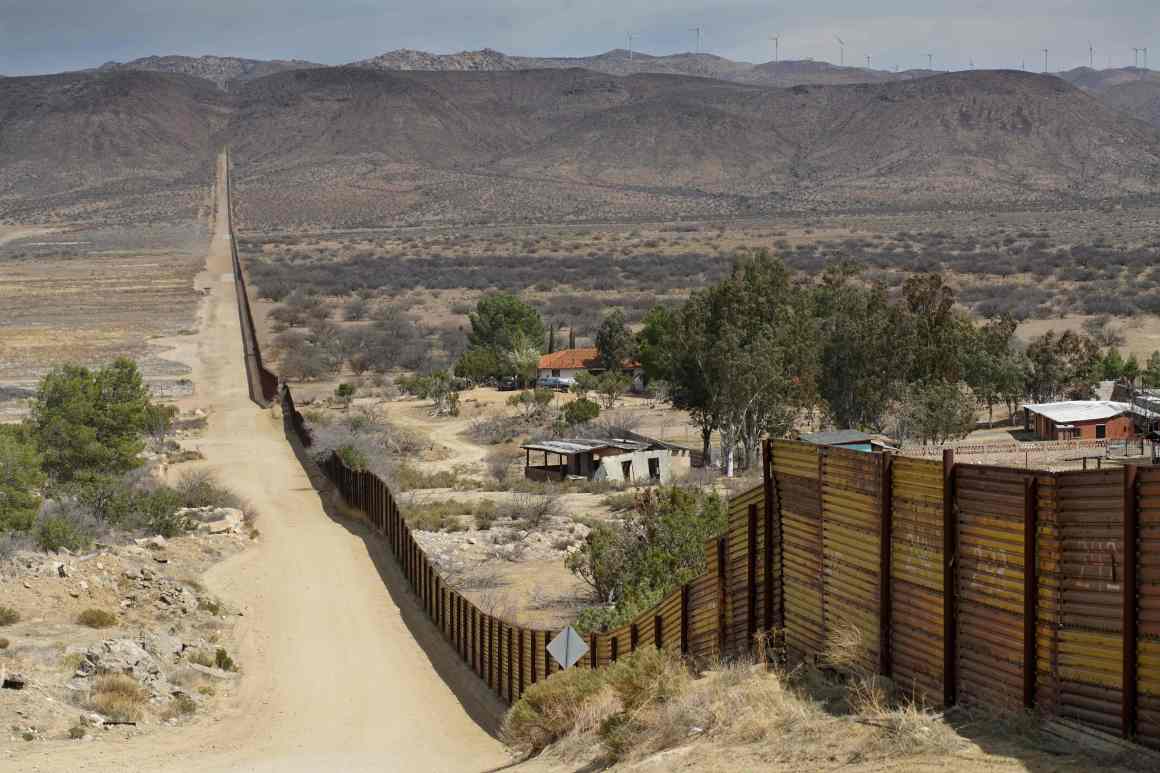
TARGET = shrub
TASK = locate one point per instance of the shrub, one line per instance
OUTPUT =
(61, 530)
(549, 709)
(201, 489)
(181, 706)
(352, 457)
(344, 392)
(581, 411)
(485, 518)
(4, 643)
(222, 660)
(532, 510)
(96, 618)
(20, 476)
(118, 697)
(9, 616)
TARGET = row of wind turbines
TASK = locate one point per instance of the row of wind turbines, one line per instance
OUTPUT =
(1140, 54)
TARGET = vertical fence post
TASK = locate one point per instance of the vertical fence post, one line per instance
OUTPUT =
(520, 660)
(950, 611)
(722, 596)
(614, 649)
(1030, 589)
(751, 579)
(510, 666)
(593, 660)
(1130, 625)
(633, 637)
(684, 619)
(658, 631)
(532, 657)
(771, 537)
(885, 545)
(547, 656)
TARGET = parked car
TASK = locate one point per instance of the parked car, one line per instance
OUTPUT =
(557, 383)
(508, 384)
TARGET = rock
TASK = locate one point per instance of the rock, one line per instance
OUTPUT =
(122, 656)
(85, 668)
(133, 573)
(27, 584)
(163, 645)
(152, 543)
(216, 673)
(222, 527)
(12, 681)
(83, 585)
(76, 594)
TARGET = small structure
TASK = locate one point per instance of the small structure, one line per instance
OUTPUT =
(846, 438)
(1080, 420)
(616, 460)
(568, 363)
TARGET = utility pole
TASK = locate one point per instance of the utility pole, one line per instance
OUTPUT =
(776, 48)
(628, 36)
(930, 62)
(841, 51)
(698, 31)
(867, 61)
(1045, 60)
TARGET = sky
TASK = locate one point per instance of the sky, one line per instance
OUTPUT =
(40, 36)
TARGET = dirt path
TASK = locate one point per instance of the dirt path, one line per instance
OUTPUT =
(340, 670)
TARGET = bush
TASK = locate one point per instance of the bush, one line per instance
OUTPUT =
(61, 530)
(96, 618)
(9, 616)
(548, 710)
(20, 477)
(532, 510)
(353, 457)
(222, 660)
(201, 489)
(581, 411)
(118, 697)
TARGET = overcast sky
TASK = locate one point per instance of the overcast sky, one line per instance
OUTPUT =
(38, 36)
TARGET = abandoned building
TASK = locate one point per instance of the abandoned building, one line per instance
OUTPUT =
(615, 460)
(1080, 420)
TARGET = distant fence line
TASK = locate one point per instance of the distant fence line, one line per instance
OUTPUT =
(969, 583)
(977, 449)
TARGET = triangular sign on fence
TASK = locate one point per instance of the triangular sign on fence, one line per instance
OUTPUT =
(568, 647)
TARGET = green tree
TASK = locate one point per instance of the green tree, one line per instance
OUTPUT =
(863, 369)
(586, 383)
(1063, 366)
(478, 365)
(20, 479)
(659, 546)
(612, 386)
(1151, 373)
(580, 411)
(938, 412)
(523, 358)
(1131, 369)
(614, 344)
(1113, 365)
(995, 371)
(654, 343)
(499, 318)
(91, 421)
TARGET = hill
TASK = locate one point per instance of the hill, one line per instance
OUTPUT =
(623, 62)
(82, 144)
(224, 71)
(351, 146)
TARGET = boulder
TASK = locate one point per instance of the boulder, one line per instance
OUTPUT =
(152, 543)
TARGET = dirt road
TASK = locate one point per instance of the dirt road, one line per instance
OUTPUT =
(340, 669)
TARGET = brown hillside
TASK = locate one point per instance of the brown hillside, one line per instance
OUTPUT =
(559, 144)
(224, 71)
(80, 140)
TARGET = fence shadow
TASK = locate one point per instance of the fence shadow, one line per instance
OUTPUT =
(484, 707)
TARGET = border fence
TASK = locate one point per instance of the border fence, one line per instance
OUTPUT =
(968, 583)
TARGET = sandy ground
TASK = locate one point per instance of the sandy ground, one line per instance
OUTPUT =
(341, 670)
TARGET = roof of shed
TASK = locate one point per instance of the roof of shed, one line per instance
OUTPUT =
(571, 446)
(584, 358)
(1079, 410)
(839, 437)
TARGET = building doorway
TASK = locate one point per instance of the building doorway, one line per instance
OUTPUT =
(626, 471)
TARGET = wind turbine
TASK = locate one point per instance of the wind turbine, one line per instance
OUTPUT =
(1091, 56)
(930, 62)
(628, 36)
(776, 48)
(842, 50)
(698, 31)
(1045, 60)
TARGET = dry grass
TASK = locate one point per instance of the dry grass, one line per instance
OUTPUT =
(648, 703)
(9, 616)
(118, 697)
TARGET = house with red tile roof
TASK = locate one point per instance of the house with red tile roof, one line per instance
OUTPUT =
(568, 363)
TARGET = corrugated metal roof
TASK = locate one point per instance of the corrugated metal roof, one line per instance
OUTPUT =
(1078, 410)
(839, 437)
(572, 446)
